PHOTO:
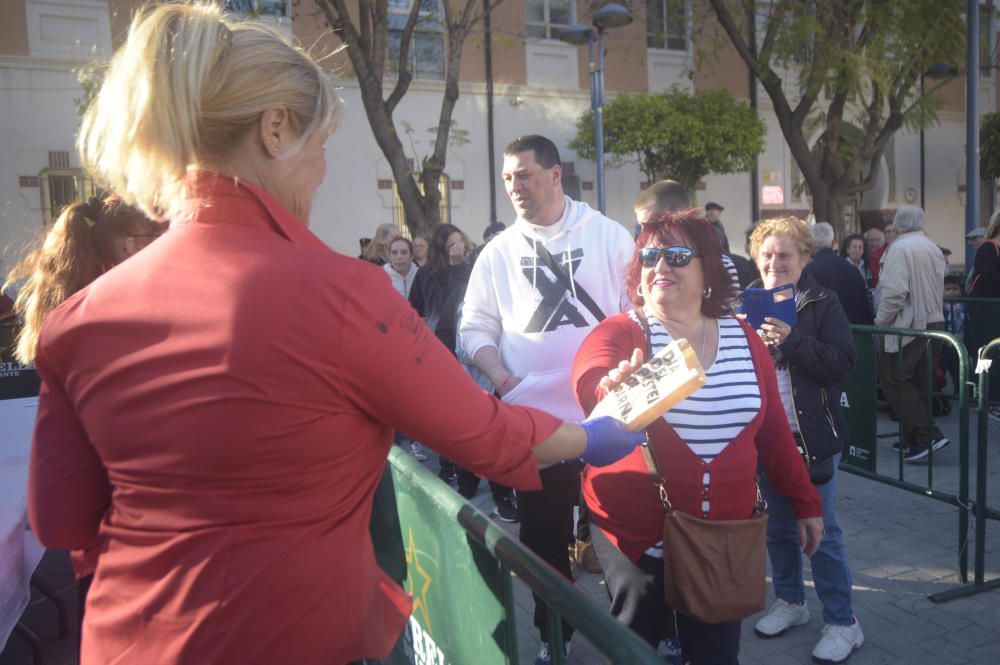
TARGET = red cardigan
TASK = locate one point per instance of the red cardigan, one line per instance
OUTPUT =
(218, 409)
(622, 498)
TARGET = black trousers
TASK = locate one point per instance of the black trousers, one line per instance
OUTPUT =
(546, 518)
(636, 593)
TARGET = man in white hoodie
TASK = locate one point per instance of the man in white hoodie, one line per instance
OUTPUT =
(535, 292)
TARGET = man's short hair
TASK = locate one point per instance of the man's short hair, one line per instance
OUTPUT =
(822, 233)
(663, 196)
(712, 205)
(546, 153)
(908, 218)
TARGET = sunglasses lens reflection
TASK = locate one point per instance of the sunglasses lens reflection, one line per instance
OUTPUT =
(676, 257)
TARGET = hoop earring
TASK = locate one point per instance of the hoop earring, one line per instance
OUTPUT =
(707, 293)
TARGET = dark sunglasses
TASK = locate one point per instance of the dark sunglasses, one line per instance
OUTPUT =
(676, 257)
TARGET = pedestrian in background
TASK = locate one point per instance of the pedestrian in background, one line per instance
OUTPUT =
(377, 251)
(811, 358)
(838, 275)
(912, 296)
(984, 318)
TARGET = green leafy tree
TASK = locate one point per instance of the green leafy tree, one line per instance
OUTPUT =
(989, 147)
(828, 64)
(676, 134)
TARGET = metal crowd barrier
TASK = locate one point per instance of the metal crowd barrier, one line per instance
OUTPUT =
(860, 456)
(983, 511)
(458, 570)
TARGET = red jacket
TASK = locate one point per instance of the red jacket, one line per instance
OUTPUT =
(622, 498)
(219, 408)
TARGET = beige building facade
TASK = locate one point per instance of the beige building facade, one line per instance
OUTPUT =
(540, 86)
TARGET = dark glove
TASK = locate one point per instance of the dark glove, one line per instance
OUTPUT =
(608, 441)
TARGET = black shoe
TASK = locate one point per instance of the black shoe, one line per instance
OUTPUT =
(505, 510)
(916, 452)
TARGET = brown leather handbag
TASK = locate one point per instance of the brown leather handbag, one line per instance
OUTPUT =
(713, 570)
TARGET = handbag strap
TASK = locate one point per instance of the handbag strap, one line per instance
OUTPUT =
(649, 454)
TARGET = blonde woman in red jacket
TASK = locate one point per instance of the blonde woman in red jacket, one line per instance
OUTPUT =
(709, 445)
(218, 409)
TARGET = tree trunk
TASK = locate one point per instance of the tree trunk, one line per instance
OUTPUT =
(828, 206)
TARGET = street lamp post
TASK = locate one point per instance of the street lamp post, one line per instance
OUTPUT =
(609, 16)
(937, 71)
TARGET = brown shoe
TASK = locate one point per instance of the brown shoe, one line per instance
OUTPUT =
(586, 555)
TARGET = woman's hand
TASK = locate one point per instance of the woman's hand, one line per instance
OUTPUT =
(810, 534)
(624, 370)
(774, 331)
(456, 252)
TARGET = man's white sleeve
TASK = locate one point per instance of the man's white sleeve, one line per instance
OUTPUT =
(481, 325)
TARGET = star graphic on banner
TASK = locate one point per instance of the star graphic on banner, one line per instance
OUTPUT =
(419, 603)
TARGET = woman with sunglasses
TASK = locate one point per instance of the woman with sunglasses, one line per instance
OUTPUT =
(709, 444)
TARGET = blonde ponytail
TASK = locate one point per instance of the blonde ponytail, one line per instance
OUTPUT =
(185, 87)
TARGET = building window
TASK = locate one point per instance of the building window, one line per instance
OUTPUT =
(666, 24)
(61, 187)
(426, 56)
(545, 19)
(399, 216)
(256, 8)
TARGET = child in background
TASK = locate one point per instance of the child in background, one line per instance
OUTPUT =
(954, 322)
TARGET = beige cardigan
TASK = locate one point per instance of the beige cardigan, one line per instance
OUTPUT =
(912, 284)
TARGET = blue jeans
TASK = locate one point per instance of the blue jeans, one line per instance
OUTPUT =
(831, 573)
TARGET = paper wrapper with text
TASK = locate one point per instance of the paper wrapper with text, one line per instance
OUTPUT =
(664, 380)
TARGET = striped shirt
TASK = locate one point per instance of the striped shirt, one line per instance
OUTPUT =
(716, 413)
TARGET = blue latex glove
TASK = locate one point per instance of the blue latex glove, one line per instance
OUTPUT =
(608, 441)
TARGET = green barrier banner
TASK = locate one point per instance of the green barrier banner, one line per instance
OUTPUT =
(858, 403)
(457, 586)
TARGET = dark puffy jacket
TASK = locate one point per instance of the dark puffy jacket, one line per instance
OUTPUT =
(835, 273)
(820, 355)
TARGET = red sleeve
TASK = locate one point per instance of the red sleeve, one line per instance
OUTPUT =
(398, 373)
(68, 488)
(609, 343)
(781, 459)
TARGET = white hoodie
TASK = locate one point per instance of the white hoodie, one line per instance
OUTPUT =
(512, 302)
(402, 283)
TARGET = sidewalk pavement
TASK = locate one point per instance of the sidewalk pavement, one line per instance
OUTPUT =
(902, 548)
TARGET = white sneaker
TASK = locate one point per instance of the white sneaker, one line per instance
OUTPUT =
(780, 618)
(417, 451)
(838, 643)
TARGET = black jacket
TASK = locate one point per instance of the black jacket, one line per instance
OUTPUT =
(819, 354)
(835, 273)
